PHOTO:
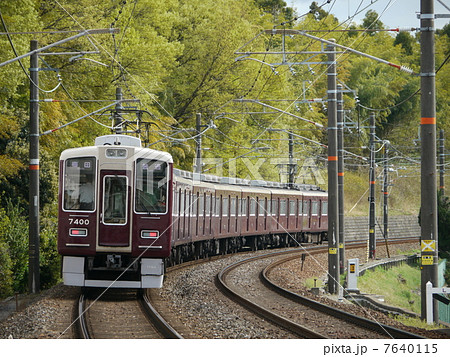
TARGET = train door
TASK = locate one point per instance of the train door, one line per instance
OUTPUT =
(114, 226)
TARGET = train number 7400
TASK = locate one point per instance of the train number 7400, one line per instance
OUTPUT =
(81, 222)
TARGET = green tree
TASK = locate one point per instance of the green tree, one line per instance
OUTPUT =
(405, 40)
(371, 21)
(317, 11)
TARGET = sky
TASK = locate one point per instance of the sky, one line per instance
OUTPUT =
(400, 13)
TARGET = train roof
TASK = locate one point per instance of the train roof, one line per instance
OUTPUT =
(118, 141)
(254, 184)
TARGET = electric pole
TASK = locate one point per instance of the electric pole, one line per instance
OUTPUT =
(291, 161)
(372, 243)
(333, 214)
(340, 150)
(429, 231)
(198, 156)
(34, 231)
(441, 163)
(117, 114)
(385, 191)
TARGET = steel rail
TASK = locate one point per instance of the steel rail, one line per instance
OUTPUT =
(152, 315)
(357, 320)
(81, 319)
(291, 326)
(157, 320)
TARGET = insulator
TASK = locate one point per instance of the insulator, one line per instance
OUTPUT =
(406, 69)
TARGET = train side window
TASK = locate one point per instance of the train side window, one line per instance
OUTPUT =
(79, 184)
(292, 206)
(182, 199)
(239, 206)
(314, 208)
(252, 206)
(275, 207)
(244, 207)
(192, 207)
(175, 204)
(218, 205)
(233, 207)
(195, 204)
(305, 208)
(283, 207)
(261, 207)
(300, 208)
(201, 205)
(324, 208)
(208, 205)
(225, 202)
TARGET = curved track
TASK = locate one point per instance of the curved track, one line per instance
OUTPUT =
(385, 330)
(246, 283)
(120, 314)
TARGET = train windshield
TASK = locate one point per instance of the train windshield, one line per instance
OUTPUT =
(79, 184)
(151, 186)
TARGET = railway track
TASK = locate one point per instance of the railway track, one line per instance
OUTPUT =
(246, 282)
(120, 314)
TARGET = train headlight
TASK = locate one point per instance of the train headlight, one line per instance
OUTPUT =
(78, 232)
(116, 153)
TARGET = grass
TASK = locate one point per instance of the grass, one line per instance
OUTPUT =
(309, 283)
(400, 286)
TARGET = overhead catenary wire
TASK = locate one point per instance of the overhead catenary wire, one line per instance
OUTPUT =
(21, 64)
(315, 79)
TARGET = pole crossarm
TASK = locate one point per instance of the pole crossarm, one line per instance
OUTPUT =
(278, 110)
(81, 34)
(89, 114)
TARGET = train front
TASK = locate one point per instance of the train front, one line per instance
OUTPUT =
(115, 216)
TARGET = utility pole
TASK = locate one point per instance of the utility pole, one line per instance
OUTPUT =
(429, 231)
(34, 229)
(340, 150)
(441, 163)
(385, 191)
(333, 214)
(198, 156)
(372, 243)
(117, 115)
(291, 161)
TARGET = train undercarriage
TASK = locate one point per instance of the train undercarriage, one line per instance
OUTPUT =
(208, 248)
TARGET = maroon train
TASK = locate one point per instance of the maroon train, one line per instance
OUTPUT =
(125, 213)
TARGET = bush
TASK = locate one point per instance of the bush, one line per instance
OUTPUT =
(14, 234)
(444, 225)
(6, 276)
